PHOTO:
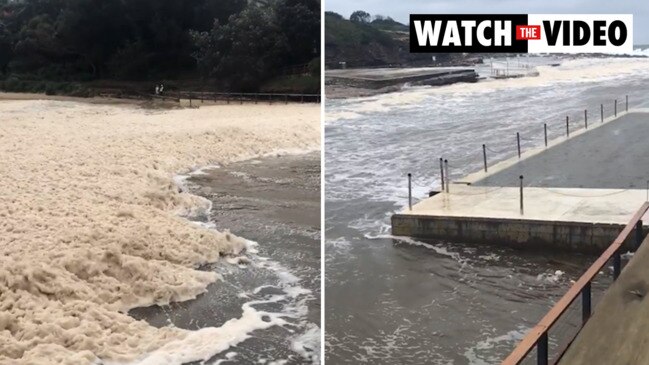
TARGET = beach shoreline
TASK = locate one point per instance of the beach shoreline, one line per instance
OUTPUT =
(90, 195)
(274, 201)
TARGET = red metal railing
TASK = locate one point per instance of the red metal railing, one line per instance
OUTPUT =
(538, 336)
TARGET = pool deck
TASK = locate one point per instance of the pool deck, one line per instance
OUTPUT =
(383, 77)
(578, 194)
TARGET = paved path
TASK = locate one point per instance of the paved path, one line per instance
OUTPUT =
(611, 156)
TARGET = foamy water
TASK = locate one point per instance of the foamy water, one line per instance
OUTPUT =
(439, 302)
(91, 227)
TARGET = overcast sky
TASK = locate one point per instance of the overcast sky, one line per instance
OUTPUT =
(400, 10)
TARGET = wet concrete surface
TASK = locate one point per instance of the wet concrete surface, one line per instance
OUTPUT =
(612, 156)
(617, 333)
(274, 201)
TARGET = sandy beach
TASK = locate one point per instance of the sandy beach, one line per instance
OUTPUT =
(91, 223)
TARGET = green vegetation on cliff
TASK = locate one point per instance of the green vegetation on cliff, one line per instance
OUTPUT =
(238, 45)
(363, 41)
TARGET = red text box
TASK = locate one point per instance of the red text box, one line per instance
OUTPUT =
(525, 32)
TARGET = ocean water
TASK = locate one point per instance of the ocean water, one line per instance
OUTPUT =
(275, 203)
(392, 300)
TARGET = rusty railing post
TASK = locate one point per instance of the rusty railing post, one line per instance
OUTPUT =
(567, 126)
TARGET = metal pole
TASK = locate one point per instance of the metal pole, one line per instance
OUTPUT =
(567, 126)
(617, 264)
(545, 133)
(441, 171)
(484, 156)
(521, 178)
(409, 191)
(638, 234)
(585, 303)
(586, 118)
(448, 178)
(518, 143)
(616, 107)
(627, 102)
(601, 108)
(542, 350)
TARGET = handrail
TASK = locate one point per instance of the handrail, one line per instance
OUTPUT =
(240, 97)
(538, 336)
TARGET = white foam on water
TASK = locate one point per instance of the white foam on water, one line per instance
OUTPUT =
(228, 358)
(340, 242)
(438, 248)
(627, 255)
(483, 352)
(551, 278)
(406, 132)
(307, 343)
(203, 170)
(585, 70)
(490, 257)
(205, 343)
(89, 231)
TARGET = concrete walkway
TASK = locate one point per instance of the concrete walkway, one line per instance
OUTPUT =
(608, 156)
(579, 193)
(618, 331)
(611, 206)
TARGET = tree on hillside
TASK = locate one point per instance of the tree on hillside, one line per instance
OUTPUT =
(258, 42)
(360, 16)
(134, 39)
(244, 52)
(299, 20)
(241, 42)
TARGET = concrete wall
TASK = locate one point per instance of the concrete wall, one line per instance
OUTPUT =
(434, 78)
(527, 234)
